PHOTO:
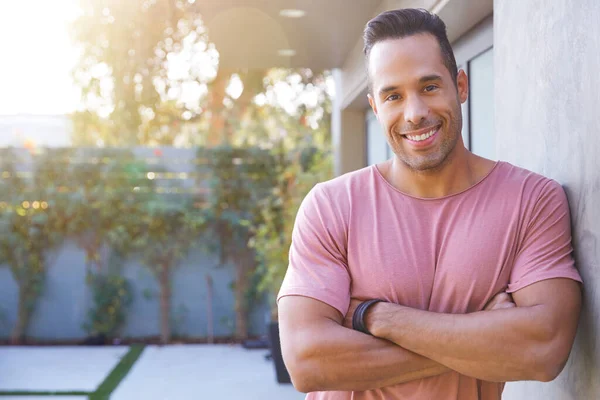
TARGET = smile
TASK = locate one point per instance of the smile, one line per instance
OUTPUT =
(424, 136)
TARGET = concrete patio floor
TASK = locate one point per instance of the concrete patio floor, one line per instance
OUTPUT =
(176, 372)
(57, 369)
(203, 372)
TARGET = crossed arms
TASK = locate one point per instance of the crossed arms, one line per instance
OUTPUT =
(502, 343)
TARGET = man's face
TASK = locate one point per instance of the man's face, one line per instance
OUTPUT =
(416, 101)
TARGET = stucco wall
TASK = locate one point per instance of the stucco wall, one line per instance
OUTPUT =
(547, 94)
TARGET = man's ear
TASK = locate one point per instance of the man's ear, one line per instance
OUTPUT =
(462, 85)
(372, 104)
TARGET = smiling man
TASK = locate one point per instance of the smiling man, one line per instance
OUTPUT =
(437, 274)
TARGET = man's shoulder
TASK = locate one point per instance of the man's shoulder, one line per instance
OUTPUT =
(347, 184)
(340, 192)
(531, 184)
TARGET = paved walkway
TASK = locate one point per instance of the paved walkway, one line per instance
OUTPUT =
(57, 369)
(177, 372)
(203, 372)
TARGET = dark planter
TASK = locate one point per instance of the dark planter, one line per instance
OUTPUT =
(280, 370)
(96, 340)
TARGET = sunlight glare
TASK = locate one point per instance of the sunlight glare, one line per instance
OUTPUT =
(39, 57)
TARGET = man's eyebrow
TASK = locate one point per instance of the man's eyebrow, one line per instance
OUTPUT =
(429, 78)
(387, 89)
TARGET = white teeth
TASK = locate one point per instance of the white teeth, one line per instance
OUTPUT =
(424, 136)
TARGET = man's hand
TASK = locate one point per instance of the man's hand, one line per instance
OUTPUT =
(500, 301)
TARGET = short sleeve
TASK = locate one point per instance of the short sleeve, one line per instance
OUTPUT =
(546, 251)
(317, 258)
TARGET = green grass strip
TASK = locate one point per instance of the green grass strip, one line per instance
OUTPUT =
(117, 374)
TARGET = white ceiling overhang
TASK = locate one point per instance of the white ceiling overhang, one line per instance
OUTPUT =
(253, 33)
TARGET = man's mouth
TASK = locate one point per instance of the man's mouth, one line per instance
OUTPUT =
(423, 136)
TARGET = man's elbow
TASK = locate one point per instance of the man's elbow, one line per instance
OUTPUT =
(302, 380)
(303, 373)
(549, 365)
(552, 353)
(548, 373)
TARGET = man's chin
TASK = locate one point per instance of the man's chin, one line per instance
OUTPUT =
(424, 165)
(433, 161)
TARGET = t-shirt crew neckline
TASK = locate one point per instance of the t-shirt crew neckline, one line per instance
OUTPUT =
(390, 186)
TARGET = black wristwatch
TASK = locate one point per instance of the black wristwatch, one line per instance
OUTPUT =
(358, 319)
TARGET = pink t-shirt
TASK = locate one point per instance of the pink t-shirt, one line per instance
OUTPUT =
(358, 236)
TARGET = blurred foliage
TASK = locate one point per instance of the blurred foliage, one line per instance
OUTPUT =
(149, 76)
(124, 47)
(111, 295)
(30, 229)
(98, 213)
(168, 228)
(273, 235)
(102, 205)
(108, 202)
(241, 177)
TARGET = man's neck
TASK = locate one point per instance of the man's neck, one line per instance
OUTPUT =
(458, 173)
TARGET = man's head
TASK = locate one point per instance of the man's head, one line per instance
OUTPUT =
(414, 87)
(405, 22)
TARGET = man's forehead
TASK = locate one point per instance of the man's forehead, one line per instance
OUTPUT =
(419, 47)
(411, 57)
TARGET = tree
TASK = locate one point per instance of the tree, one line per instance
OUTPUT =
(148, 73)
(150, 76)
(168, 229)
(31, 228)
(129, 50)
(102, 201)
(124, 52)
(240, 179)
(100, 219)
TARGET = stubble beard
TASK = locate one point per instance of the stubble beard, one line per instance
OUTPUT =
(440, 157)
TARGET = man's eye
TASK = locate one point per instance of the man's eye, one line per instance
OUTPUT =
(430, 88)
(393, 97)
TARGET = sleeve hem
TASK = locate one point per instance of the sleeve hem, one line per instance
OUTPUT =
(320, 295)
(513, 287)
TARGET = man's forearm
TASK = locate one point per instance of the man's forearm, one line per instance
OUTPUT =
(337, 358)
(499, 345)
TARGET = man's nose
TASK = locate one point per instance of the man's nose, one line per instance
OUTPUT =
(415, 110)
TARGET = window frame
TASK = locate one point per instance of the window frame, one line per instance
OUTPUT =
(466, 48)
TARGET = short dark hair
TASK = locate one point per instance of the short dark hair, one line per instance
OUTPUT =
(397, 24)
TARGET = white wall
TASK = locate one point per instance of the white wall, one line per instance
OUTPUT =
(547, 58)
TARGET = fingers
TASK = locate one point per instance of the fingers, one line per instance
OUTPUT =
(505, 305)
(503, 297)
(499, 301)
